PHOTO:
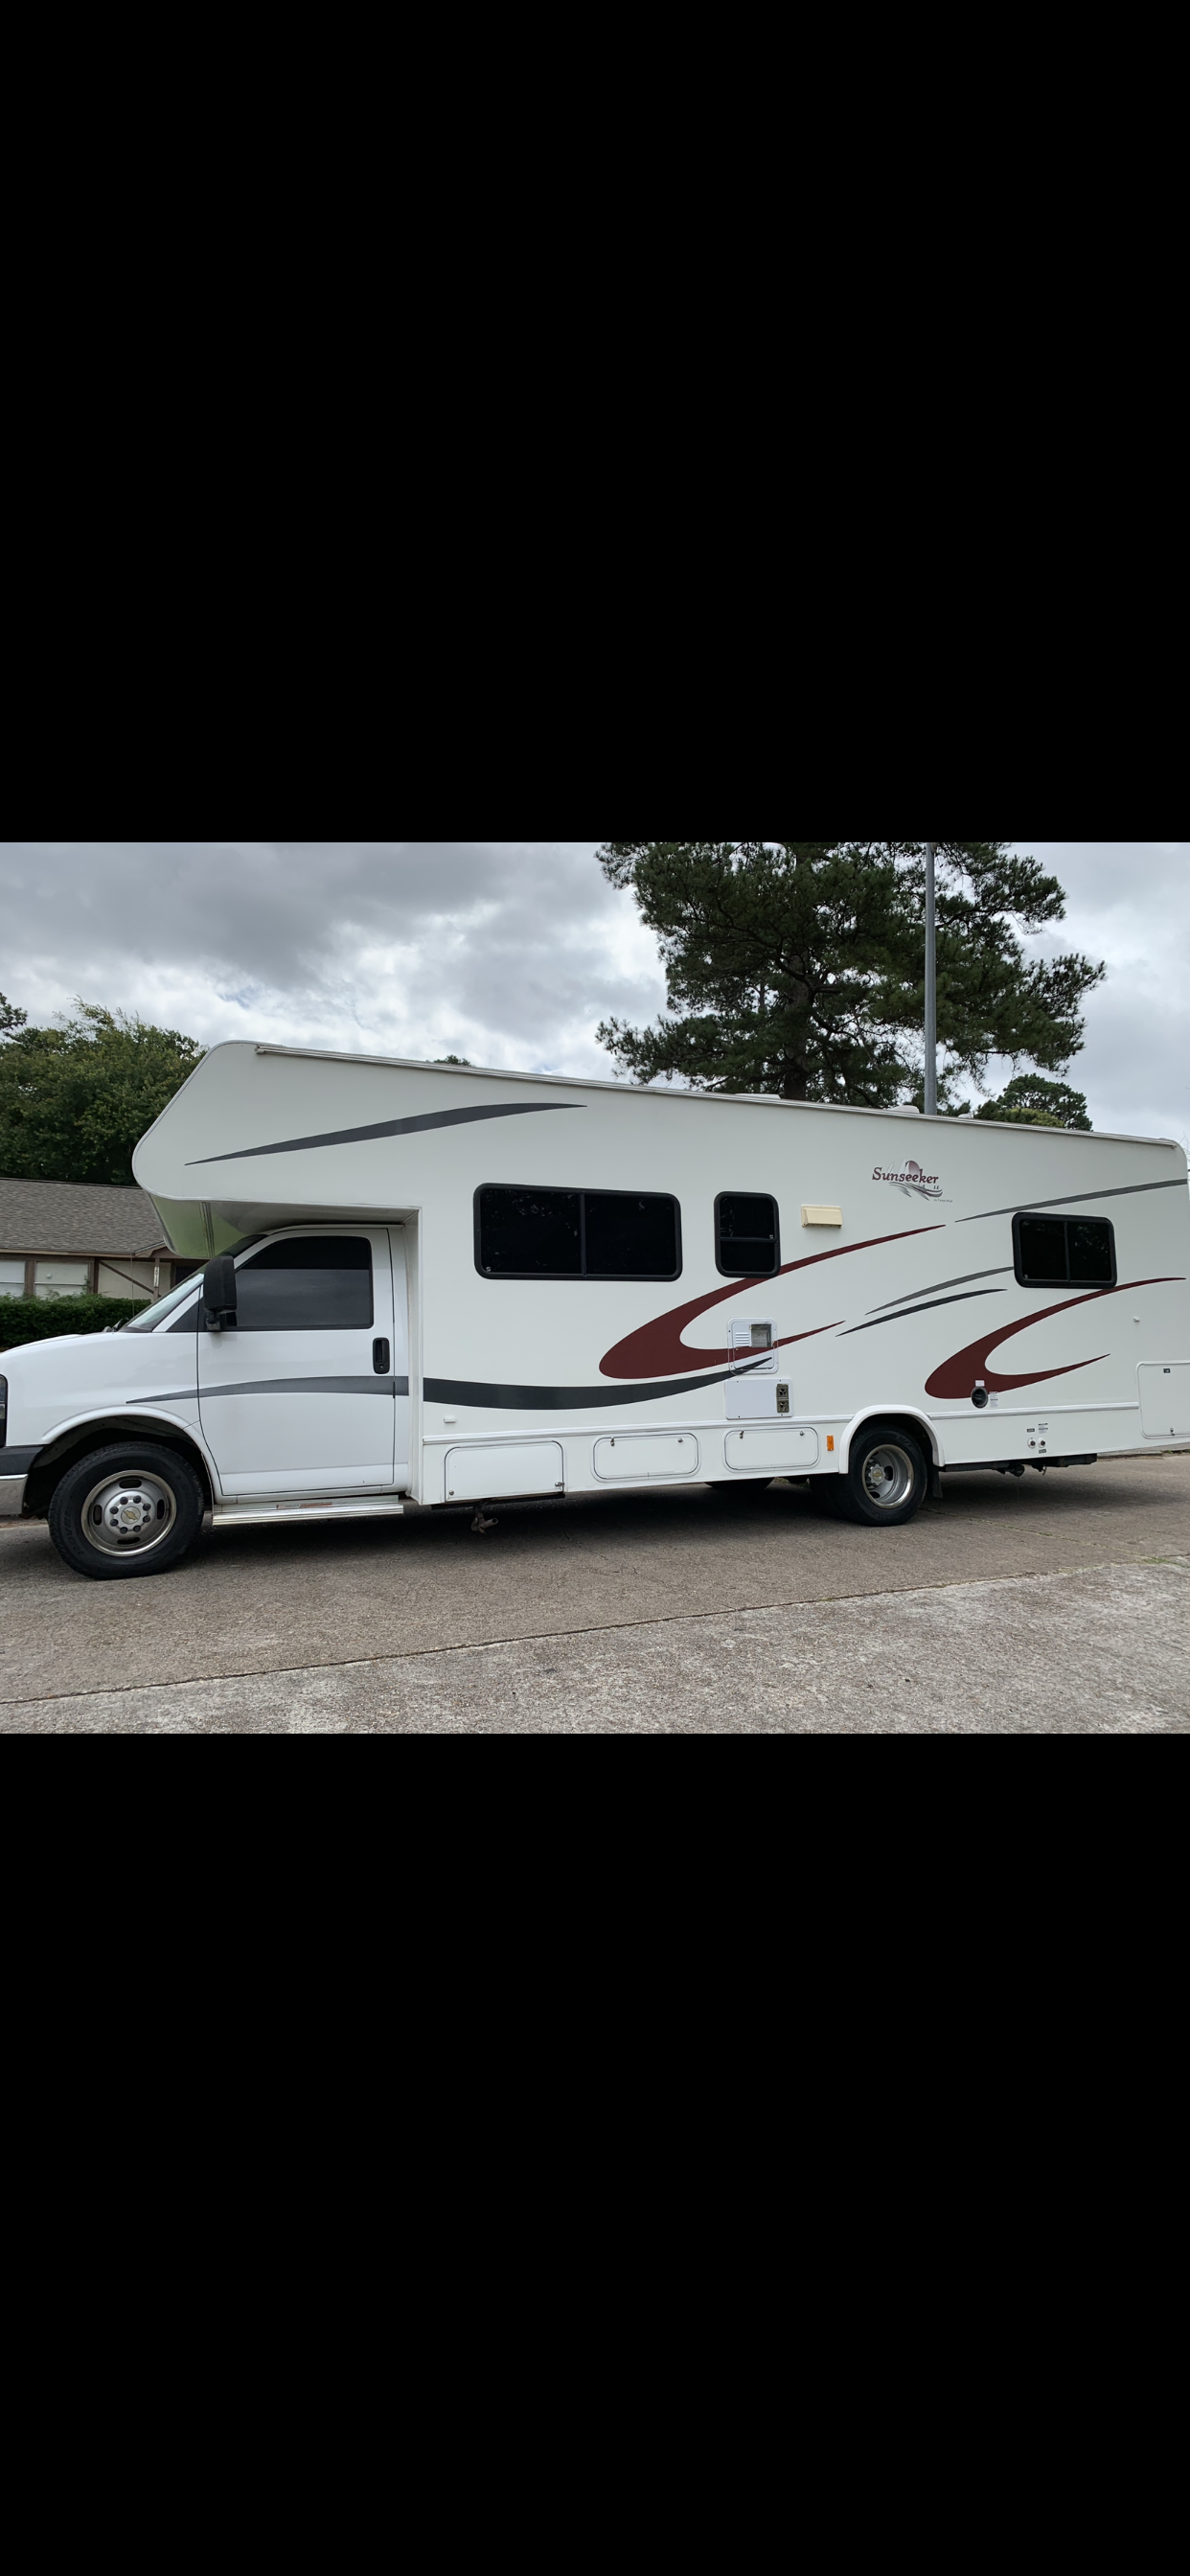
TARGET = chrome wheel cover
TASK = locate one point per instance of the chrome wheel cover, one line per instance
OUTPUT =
(887, 1476)
(128, 1515)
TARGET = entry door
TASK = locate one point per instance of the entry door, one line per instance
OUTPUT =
(299, 1397)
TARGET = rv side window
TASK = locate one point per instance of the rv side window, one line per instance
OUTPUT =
(576, 1234)
(747, 1237)
(529, 1234)
(627, 1237)
(315, 1283)
(1064, 1251)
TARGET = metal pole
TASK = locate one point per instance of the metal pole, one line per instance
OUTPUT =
(931, 1086)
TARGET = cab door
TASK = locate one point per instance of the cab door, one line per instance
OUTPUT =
(299, 1397)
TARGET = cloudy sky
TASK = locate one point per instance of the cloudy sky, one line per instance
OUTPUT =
(509, 952)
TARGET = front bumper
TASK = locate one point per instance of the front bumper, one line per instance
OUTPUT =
(14, 1470)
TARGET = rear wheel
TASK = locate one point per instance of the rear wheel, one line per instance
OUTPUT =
(886, 1478)
(128, 1510)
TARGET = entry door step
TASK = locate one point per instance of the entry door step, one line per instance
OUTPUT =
(321, 1508)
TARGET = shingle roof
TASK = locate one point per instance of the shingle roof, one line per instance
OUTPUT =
(79, 1217)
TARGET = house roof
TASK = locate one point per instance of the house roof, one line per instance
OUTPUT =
(81, 1217)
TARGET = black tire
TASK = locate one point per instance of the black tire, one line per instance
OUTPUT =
(131, 1509)
(886, 1480)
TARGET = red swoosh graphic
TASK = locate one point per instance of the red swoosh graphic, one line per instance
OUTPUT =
(957, 1376)
(657, 1349)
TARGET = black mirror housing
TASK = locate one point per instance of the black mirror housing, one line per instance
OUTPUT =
(219, 1293)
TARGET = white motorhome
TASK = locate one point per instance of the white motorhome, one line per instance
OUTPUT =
(450, 1285)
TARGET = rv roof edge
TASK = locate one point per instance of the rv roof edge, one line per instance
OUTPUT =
(667, 1091)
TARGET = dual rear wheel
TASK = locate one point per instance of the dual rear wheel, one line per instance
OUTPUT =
(886, 1479)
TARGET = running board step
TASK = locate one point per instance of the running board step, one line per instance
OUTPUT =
(354, 1507)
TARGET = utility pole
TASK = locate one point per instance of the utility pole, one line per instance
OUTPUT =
(931, 1085)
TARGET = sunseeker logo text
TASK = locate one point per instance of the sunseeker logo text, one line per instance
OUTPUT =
(912, 1181)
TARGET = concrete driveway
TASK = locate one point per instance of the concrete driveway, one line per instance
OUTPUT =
(1054, 1605)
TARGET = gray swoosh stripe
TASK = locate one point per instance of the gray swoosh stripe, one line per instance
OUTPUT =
(390, 1127)
(565, 1399)
(925, 1309)
(454, 1390)
(1072, 1198)
(307, 1386)
(937, 1285)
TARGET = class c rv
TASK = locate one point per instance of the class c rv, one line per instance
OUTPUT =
(448, 1286)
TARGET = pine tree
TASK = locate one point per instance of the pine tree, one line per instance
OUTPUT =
(797, 967)
(1028, 1100)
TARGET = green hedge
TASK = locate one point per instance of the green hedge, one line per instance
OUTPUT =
(41, 1319)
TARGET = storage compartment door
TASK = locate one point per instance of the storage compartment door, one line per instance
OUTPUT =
(1165, 1400)
(504, 1467)
(668, 1454)
(782, 1450)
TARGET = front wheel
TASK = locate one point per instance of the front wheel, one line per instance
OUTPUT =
(134, 1509)
(886, 1479)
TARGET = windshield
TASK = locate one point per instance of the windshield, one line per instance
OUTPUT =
(148, 1320)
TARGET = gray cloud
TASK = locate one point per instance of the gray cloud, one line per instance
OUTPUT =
(504, 951)
(509, 952)
(1129, 903)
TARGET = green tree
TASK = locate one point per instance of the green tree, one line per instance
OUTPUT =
(1029, 1101)
(798, 966)
(75, 1099)
(10, 1018)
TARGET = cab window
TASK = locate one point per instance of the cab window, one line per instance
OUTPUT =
(314, 1283)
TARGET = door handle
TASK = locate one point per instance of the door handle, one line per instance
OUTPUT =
(380, 1357)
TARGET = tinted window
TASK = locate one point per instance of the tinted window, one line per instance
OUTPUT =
(314, 1283)
(629, 1237)
(1089, 1250)
(572, 1234)
(747, 1241)
(1042, 1248)
(1060, 1251)
(530, 1233)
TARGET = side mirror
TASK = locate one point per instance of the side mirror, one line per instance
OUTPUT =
(219, 1293)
